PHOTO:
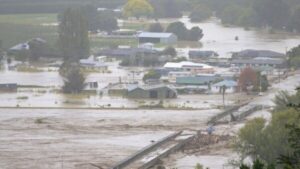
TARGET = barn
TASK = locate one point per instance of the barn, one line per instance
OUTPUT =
(157, 37)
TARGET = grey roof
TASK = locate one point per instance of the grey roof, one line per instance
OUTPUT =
(258, 53)
(154, 35)
(125, 51)
(21, 46)
(148, 87)
(259, 61)
(195, 80)
(25, 45)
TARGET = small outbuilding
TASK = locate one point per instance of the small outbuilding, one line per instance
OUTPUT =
(157, 37)
(152, 92)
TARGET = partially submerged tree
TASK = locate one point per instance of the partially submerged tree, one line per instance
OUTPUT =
(195, 34)
(247, 79)
(138, 8)
(151, 74)
(179, 29)
(171, 51)
(74, 80)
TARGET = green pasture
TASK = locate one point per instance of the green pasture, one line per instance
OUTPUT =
(18, 28)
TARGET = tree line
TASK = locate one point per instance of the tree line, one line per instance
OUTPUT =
(273, 144)
(277, 14)
(51, 6)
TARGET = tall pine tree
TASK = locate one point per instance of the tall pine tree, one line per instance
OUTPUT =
(73, 35)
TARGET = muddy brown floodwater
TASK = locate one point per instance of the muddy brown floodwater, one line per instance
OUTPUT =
(73, 139)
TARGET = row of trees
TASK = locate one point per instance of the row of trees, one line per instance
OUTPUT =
(51, 6)
(278, 14)
(153, 8)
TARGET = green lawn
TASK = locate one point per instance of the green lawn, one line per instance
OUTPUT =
(108, 42)
(18, 28)
(135, 25)
(29, 19)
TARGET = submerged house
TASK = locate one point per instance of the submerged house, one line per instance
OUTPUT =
(230, 85)
(151, 92)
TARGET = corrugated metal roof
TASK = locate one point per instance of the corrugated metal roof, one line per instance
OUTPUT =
(184, 64)
(195, 80)
(258, 61)
(259, 53)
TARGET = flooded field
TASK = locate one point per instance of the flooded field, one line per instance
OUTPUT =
(221, 39)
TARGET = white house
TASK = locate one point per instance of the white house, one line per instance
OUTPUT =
(231, 86)
(194, 68)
